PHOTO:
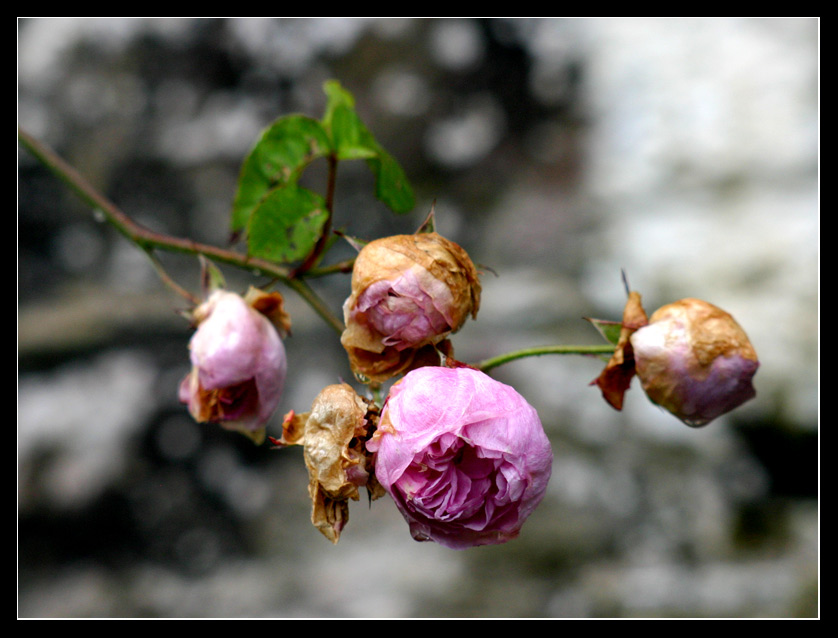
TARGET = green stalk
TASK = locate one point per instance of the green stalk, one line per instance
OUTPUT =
(494, 362)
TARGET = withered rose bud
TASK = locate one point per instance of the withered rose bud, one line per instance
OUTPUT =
(694, 360)
(409, 292)
(333, 435)
(238, 361)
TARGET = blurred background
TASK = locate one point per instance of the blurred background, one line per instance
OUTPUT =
(558, 152)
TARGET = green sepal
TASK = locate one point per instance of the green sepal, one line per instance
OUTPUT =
(610, 330)
(212, 278)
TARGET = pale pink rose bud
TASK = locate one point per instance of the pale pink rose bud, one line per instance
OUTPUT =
(238, 363)
(408, 292)
(694, 360)
(464, 457)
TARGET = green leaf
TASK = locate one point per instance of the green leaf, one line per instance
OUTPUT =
(337, 97)
(284, 149)
(391, 184)
(352, 140)
(287, 224)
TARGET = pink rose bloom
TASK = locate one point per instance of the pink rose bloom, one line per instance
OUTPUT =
(694, 360)
(238, 366)
(464, 457)
(412, 309)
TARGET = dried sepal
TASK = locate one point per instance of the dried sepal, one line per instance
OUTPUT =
(272, 305)
(293, 429)
(616, 377)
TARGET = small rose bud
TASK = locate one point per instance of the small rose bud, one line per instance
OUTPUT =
(333, 435)
(238, 363)
(408, 292)
(464, 457)
(694, 360)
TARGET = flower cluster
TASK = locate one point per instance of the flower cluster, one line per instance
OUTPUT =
(464, 457)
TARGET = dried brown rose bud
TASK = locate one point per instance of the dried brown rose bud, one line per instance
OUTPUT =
(694, 360)
(409, 292)
(333, 435)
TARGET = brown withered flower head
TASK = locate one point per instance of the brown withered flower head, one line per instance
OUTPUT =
(695, 360)
(333, 435)
(409, 292)
(692, 358)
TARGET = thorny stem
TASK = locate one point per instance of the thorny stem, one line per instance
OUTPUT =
(494, 362)
(149, 240)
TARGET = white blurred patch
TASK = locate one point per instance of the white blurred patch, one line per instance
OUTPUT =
(84, 416)
(402, 92)
(466, 137)
(456, 45)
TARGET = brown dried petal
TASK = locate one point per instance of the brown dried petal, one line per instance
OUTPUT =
(616, 378)
(272, 305)
(378, 368)
(713, 332)
(328, 515)
(333, 435)
(337, 416)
